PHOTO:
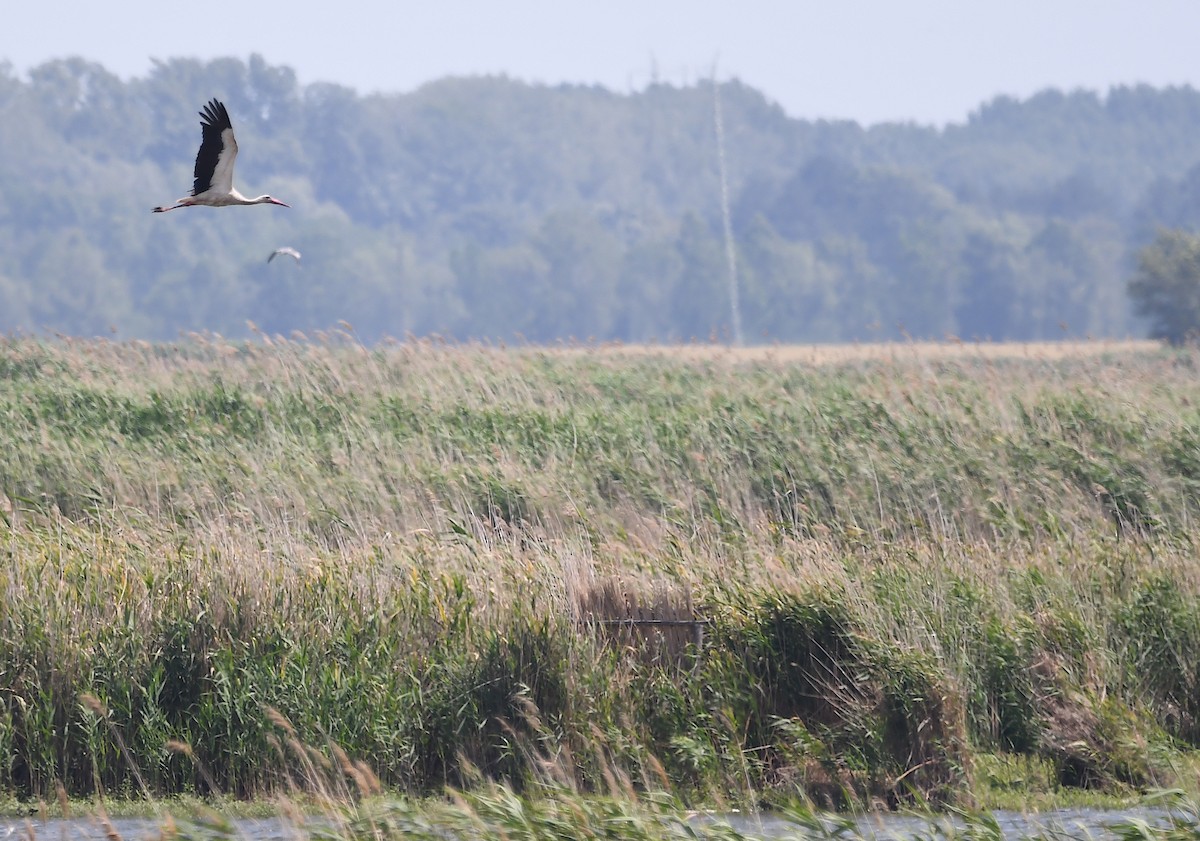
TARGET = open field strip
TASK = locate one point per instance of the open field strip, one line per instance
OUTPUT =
(895, 352)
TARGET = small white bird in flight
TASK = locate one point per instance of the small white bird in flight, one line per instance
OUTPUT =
(287, 251)
(214, 165)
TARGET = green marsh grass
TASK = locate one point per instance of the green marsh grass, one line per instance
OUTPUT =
(903, 565)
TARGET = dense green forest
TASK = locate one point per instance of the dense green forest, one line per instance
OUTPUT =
(488, 207)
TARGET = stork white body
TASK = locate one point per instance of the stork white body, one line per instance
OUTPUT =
(286, 251)
(213, 186)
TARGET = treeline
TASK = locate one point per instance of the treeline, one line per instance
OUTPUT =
(486, 207)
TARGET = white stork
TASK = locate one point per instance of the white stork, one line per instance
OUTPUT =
(214, 165)
(286, 251)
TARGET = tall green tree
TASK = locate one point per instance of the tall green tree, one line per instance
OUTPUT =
(649, 272)
(700, 299)
(582, 260)
(990, 279)
(1166, 286)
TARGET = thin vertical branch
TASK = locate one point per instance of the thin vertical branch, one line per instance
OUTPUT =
(735, 307)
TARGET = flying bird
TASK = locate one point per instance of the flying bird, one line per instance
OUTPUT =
(214, 165)
(286, 251)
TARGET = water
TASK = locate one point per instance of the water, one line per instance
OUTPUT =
(1090, 824)
(137, 829)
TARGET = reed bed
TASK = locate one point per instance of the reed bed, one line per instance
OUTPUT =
(909, 572)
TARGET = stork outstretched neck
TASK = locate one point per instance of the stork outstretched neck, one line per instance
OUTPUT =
(213, 186)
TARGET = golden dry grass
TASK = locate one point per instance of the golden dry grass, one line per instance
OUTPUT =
(897, 352)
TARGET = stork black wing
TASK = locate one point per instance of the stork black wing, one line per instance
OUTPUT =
(214, 119)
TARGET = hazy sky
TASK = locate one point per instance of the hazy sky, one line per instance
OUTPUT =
(932, 61)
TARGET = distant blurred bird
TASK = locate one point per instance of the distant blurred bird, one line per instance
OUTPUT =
(286, 251)
(214, 165)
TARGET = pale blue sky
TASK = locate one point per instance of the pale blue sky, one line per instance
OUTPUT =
(932, 61)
